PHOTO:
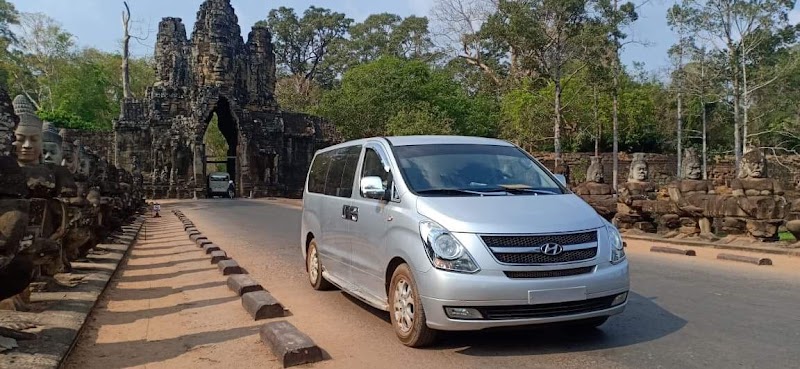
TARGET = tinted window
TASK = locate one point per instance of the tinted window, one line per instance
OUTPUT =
(373, 167)
(472, 168)
(319, 170)
(342, 171)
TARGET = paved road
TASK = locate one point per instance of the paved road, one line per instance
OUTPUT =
(683, 312)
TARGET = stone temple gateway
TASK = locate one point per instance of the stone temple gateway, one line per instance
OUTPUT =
(216, 71)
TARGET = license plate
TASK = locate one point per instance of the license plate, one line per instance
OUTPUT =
(556, 295)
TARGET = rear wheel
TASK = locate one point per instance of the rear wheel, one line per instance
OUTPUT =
(314, 267)
(406, 311)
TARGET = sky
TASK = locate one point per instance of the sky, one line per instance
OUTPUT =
(97, 23)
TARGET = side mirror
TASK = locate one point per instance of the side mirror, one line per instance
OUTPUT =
(561, 178)
(372, 188)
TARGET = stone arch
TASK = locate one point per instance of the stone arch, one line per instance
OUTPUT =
(229, 120)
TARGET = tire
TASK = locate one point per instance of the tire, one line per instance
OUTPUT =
(314, 268)
(406, 312)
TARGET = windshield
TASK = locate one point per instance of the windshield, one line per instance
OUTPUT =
(219, 178)
(470, 169)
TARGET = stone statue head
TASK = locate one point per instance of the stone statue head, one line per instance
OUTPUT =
(51, 145)
(753, 165)
(595, 171)
(638, 170)
(85, 161)
(28, 141)
(692, 168)
(70, 154)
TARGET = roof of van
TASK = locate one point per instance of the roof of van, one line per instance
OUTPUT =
(444, 140)
(425, 140)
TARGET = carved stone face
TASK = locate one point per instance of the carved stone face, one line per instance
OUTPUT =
(756, 169)
(52, 153)
(71, 160)
(694, 171)
(595, 173)
(28, 146)
(85, 161)
(639, 172)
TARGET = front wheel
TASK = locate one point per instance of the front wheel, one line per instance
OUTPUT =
(314, 267)
(406, 311)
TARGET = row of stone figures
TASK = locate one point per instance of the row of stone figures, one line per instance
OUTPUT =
(58, 200)
(752, 206)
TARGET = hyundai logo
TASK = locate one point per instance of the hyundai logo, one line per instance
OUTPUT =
(552, 249)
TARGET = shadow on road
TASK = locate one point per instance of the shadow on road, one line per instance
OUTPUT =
(642, 321)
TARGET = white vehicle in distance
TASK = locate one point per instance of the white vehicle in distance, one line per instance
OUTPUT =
(220, 184)
(451, 233)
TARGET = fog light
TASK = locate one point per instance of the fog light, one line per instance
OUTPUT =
(462, 313)
(620, 299)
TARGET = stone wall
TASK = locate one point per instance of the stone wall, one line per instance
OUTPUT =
(101, 142)
(663, 167)
(8, 120)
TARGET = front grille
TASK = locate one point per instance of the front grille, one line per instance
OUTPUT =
(539, 258)
(538, 240)
(545, 310)
(550, 273)
(534, 242)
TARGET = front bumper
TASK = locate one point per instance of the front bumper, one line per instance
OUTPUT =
(501, 296)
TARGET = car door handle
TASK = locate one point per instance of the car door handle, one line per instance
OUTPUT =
(350, 213)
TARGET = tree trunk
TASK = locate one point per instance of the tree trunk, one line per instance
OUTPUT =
(557, 124)
(126, 38)
(705, 147)
(680, 133)
(597, 122)
(737, 130)
(745, 105)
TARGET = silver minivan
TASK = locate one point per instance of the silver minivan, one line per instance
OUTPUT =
(451, 233)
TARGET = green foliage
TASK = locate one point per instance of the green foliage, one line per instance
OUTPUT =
(216, 145)
(373, 93)
(420, 119)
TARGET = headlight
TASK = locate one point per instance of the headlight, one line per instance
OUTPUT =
(444, 250)
(617, 247)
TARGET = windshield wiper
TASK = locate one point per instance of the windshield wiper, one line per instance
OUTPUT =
(525, 189)
(449, 191)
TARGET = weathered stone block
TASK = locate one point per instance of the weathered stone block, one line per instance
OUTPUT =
(290, 346)
(200, 241)
(744, 259)
(261, 305)
(228, 267)
(243, 283)
(217, 256)
(209, 248)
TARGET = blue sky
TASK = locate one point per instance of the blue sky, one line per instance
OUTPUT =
(97, 22)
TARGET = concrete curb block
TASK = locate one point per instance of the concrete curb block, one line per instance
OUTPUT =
(745, 259)
(720, 246)
(209, 248)
(196, 237)
(230, 266)
(261, 305)
(290, 346)
(200, 241)
(243, 283)
(672, 250)
(218, 256)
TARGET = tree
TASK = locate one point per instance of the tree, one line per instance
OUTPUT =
(373, 94)
(730, 25)
(42, 48)
(547, 38)
(419, 119)
(302, 44)
(612, 18)
(459, 23)
(677, 18)
(8, 17)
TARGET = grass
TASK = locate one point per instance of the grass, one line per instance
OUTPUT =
(786, 236)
